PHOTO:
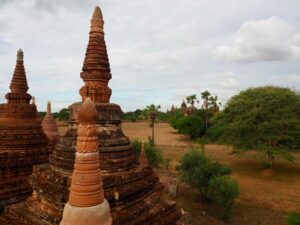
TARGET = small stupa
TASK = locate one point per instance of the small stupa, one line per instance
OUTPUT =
(87, 205)
(22, 140)
(49, 126)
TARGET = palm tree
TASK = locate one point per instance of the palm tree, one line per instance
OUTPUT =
(191, 100)
(152, 114)
(205, 96)
(213, 101)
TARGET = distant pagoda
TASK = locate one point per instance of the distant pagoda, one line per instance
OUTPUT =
(22, 140)
(50, 127)
(132, 190)
(184, 108)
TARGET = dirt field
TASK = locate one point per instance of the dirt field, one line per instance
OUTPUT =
(264, 198)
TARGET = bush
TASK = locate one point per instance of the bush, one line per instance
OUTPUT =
(197, 170)
(137, 146)
(223, 191)
(294, 218)
(154, 155)
(191, 125)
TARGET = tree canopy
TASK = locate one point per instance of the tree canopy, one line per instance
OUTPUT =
(265, 118)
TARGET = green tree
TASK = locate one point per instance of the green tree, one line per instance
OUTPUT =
(266, 119)
(152, 114)
(191, 125)
(62, 115)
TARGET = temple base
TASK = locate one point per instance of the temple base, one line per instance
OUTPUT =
(94, 215)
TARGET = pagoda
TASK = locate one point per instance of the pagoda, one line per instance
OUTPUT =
(133, 191)
(22, 140)
(184, 108)
(50, 127)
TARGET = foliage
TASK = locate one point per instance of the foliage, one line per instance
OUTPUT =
(152, 115)
(191, 125)
(154, 155)
(266, 119)
(137, 146)
(198, 169)
(223, 191)
(134, 116)
(42, 114)
(191, 100)
(294, 218)
(62, 115)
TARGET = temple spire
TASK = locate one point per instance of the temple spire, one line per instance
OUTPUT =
(49, 107)
(18, 85)
(19, 81)
(96, 68)
(87, 205)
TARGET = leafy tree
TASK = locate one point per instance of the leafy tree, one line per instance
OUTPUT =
(62, 115)
(152, 114)
(191, 125)
(223, 191)
(266, 119)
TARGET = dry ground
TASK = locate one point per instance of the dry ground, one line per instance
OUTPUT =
(264, 198)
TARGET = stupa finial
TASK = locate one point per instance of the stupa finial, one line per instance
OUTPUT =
(87, 113)
(20, 55)
(97, 15)
(49, 107)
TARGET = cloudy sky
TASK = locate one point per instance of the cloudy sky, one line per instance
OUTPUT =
(160, 50)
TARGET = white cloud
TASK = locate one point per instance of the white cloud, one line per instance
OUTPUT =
(271, 39)
(294, 78)
(227, 80)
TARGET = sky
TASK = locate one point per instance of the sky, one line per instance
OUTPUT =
(160, 51)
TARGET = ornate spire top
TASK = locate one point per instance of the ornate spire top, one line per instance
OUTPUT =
(49, 107)
(20, 55)
(96, 69)
(87, 113)
(97, 15)
(18, 85)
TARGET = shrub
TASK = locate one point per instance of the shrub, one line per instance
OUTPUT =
(191, 125)
(223, 191)
(197, 170)
(153, 154)
(294, 218)
(137, 146)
